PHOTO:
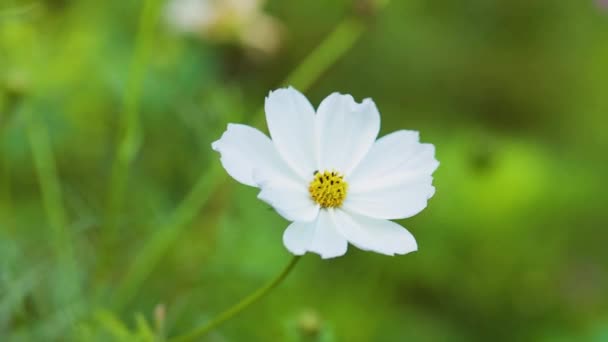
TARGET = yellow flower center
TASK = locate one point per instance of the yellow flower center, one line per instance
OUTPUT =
(328, 189)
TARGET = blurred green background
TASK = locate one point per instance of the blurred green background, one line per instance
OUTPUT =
(117, 222)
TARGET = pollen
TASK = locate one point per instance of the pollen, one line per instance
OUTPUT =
(328, 188)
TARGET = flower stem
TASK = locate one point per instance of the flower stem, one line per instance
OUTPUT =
(131, 132)
(238, 307)
(52, 200)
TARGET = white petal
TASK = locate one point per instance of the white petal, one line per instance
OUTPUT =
(298, 237)
(346, 131)
(319, 236)
(291, 200)
(381, 236)
(395, 158)
(394, 179)
(291, 121)
(244, 149)
(391, 202)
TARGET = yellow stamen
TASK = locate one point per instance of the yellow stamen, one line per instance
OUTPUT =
(328, 189)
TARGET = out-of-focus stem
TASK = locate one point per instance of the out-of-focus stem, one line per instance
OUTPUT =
(5, 188)
(52, 200)
(131, 134)
(50, 187)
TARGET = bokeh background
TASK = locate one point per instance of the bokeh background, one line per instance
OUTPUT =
(117, 222)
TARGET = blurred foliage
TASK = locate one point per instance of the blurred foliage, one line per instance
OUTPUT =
(512, 246)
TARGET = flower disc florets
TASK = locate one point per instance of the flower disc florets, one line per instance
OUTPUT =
(328, 189)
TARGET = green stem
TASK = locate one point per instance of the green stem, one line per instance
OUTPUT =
(52, 199)
(238, 307)
(6, 198)
(131, 135)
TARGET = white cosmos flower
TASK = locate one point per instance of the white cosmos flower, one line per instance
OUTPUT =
(326, 172)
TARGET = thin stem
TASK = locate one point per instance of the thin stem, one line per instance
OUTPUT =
(131, 135)
(52, 199)
(49, 183)
(238, 307)
(6, 197)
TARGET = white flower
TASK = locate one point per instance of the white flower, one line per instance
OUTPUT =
(327, 173)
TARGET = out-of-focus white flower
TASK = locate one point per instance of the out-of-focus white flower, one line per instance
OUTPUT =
(325, 171)
(239, 21)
